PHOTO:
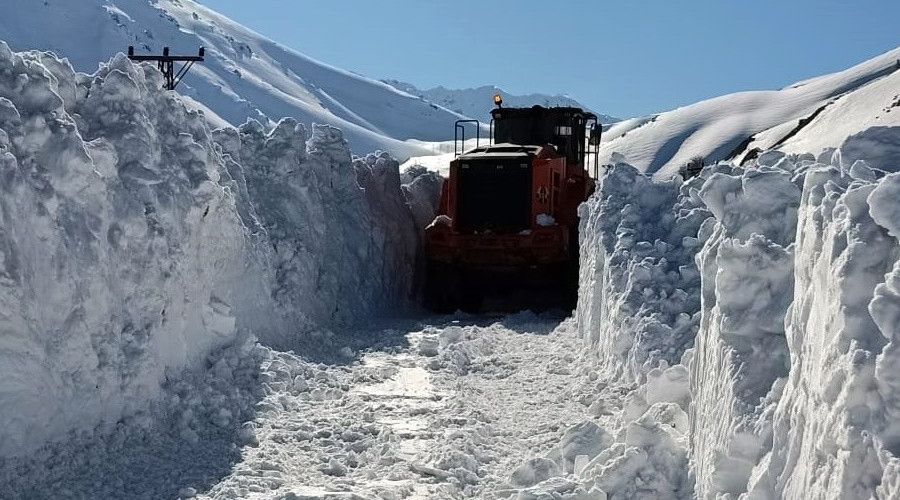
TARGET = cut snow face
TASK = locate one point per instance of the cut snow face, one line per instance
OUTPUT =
(134, 241)
(245, 75)
(122, 253)
(329, 220)
(755, 308)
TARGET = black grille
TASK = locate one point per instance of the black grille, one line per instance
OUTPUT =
(494, 195)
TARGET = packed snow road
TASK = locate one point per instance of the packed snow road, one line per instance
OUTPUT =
(447, 408)
(448, 412)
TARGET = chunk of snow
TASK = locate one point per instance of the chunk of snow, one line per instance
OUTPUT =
(428, 346)
(545, 220)
(587, 439)
(449, 336)
(534, 471)
(441, 220)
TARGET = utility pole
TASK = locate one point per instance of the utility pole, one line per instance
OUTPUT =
(166, 64)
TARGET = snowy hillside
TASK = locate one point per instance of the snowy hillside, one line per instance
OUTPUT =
(245, 74)
(477, 102)
(808, 116)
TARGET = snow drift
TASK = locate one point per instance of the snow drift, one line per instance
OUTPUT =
(758, 305)
(134, 240)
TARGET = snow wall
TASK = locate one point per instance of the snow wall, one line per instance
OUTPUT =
(134, 240)
(756, 313)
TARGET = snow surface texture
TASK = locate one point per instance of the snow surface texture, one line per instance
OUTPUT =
(639, 291)
(245, 75)
(773, 306)
(808, 116)
(422, 190)
(342, 237)
(434, 413)
(134, 241)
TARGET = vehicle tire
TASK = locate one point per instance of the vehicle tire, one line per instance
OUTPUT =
(441, 288)
(571, 271)
(471, 293)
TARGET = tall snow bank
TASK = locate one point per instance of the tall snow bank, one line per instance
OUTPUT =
(134, 241)
(343, 240)
(833, 429)
(121, 254)
(639, 295)
(639, 312)
(747, 282)
(786, 398)
(788, 367)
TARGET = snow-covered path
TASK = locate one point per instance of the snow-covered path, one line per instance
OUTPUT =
(448, 415)
(435, 408)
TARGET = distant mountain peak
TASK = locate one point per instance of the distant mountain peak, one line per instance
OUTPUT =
(476, 102)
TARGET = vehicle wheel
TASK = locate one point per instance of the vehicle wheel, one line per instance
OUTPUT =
(471, 295)
(441, 288)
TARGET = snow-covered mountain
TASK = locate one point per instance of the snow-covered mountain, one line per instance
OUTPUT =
(807, 117)
(477, 102)
(245, 74)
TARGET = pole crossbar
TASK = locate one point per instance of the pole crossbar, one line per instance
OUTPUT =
(166, 64)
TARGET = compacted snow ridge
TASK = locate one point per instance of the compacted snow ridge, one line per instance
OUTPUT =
(756, 309)
(134, 241)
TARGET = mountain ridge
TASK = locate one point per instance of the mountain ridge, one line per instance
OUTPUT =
(476, 102)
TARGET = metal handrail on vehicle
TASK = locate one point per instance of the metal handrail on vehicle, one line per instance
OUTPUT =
(459, 131)
(592, 148)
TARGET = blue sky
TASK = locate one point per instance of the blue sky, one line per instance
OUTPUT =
(625, 57)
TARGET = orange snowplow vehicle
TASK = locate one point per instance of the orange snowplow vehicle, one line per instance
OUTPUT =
(507, 227)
